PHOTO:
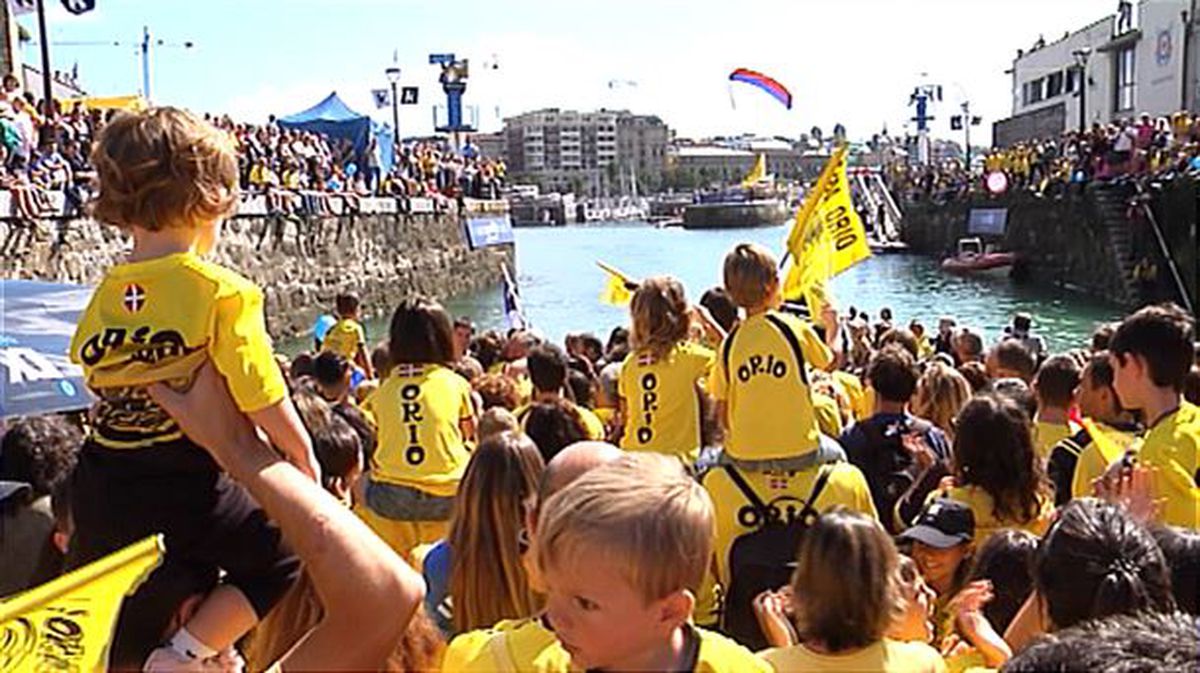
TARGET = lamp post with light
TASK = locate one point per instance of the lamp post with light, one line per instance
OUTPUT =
(1081, 60)
(393, 77)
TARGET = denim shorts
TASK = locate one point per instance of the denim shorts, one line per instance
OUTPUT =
(404, 503)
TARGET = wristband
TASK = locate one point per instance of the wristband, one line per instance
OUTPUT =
(189, 647)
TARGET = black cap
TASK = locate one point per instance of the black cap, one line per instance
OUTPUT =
(10, 489)
(943, 523)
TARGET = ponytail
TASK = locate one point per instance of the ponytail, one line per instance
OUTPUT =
(1095, 561)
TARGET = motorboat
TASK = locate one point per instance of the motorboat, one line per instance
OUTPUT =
(974, 258)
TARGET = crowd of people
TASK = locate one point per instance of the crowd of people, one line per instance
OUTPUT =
(42, 153)
(1121, 150)
(722, 485)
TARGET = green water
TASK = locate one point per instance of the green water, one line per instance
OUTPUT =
(560, 284)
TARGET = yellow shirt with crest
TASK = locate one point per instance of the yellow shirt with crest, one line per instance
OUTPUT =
(662, 400)
(418, 410)
(158, 320)
(769, 407)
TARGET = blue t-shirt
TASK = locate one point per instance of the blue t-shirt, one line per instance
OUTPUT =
(436, 569)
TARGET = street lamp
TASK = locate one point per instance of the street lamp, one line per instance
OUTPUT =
(393, 77)
(1081, 59)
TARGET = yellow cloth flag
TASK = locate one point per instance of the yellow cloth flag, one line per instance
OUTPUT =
(619, 289)
(757, 173)
(1104, 442)
(828, 236)
(67, 624)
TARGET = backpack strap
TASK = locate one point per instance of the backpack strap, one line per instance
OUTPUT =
(740, 482)
(726, 349)
(809, 513)
(790, 337)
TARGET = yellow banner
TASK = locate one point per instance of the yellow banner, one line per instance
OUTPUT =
(830, 238)
(66, 624)
(757, 173)
(618, 289)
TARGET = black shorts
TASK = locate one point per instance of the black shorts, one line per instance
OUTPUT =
(210, 524)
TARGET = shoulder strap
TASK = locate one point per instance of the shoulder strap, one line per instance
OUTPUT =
(739, 481)
(726, 349)
(790, 337)
(809, 513)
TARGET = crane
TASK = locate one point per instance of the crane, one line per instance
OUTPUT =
(144, 48)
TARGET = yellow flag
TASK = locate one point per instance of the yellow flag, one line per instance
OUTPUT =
(830, 238)
(757, 173)
(619, 289)
(1107, 445)
(67, 623)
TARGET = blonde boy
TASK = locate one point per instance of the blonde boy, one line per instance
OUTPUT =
(168, 179)
(622, 552)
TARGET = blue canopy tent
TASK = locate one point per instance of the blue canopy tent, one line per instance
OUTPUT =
(333, 118)
(36, 375)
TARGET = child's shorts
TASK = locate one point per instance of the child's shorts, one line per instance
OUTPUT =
(210, 524)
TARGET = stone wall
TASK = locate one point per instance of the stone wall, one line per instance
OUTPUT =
(1065, 240)
(301, 262)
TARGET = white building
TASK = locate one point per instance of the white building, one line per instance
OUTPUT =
(586, 152)
(1145, 65)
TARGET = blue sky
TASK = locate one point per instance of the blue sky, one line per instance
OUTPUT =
(847, 61)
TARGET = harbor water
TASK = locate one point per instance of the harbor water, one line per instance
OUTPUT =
(560, 284)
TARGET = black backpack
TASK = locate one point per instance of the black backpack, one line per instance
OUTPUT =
(889, 468)
(764, 558)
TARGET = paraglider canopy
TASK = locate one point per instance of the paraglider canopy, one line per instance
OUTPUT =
(768, 84)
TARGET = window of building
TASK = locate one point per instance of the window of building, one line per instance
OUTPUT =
(1123, 99)
(1072, 74)
(1054, 85)
(1033, 92)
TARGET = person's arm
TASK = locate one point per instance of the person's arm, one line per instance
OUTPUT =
(369, 594)
(241, 352)
(1026, 625)
(363, 362)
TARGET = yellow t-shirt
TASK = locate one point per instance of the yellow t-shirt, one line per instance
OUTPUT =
(1173, 446)
(345, 338)
(591, 423)
(511, 645)
(1046, 435)
(886, 656)
(986, 522)
(527, 645)
(418, 410)
(786, 490)
(158, 320)
(1095, 458)
(829, 417)
(862, 398)
(662, 403)
(769, 407)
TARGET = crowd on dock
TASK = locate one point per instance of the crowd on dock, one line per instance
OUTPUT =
(1127, 149)
(44, 153)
